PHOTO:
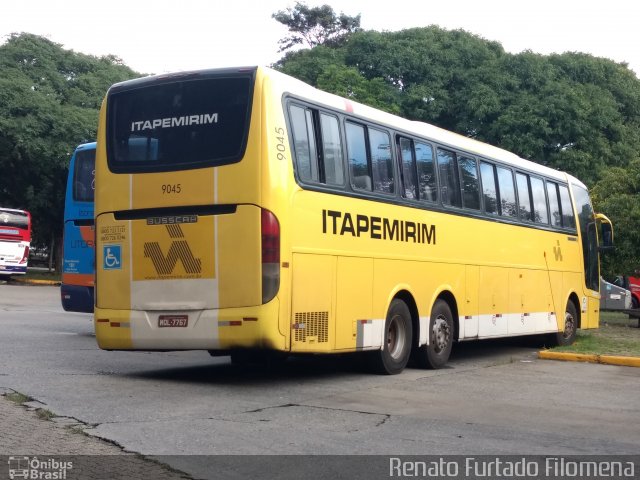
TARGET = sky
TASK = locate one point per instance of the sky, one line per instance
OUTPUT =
(160, 36)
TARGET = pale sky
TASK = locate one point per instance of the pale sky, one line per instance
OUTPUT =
(159, 36)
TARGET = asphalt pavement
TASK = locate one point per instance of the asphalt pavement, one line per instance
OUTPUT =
(495, 398)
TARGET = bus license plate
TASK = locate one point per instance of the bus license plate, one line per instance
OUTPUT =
(173, 321)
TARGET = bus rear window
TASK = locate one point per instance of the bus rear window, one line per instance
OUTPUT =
(84, 175)
(13, 219)
(176, 124)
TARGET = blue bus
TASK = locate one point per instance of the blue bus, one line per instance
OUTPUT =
(78, 266)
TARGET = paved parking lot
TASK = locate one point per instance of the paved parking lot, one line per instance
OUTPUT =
(494, 398)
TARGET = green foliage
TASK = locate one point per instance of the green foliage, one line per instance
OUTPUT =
(49, 103)
(617, 194)
(324, 67)
(315, 26)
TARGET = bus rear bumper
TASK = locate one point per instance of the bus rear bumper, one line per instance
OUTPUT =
(213, 330)
(76, 298)
(12, 270)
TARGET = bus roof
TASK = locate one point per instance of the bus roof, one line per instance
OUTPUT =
(14, 210)
(86, 146)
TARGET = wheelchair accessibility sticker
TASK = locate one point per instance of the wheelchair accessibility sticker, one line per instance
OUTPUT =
(111, 257)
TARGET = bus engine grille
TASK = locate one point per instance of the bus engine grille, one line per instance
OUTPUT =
(312, 324)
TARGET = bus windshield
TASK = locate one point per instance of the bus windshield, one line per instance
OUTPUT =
(587, 223)
(179, 124)
(84, 176)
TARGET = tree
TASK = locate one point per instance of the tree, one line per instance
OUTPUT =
(324, 67)
(49, 103)
(618, 195)
(315, 26)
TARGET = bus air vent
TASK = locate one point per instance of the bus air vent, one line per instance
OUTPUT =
(312, 324)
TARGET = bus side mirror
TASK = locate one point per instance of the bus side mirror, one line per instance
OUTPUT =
(606, 236)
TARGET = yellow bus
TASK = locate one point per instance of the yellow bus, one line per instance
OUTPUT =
(241, 210)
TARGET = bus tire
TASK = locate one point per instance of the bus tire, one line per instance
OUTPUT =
(436, 353)
(568, 335)
(392, 358)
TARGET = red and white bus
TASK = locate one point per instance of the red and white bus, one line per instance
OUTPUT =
(15, 239)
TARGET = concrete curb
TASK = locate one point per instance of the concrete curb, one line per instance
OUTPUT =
(581, 357)
(29, 281)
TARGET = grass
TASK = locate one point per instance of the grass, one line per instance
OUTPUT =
(20, 399)
(45, 414)
(618, 335)
(39, 275)
(17, 397)
(42, 275)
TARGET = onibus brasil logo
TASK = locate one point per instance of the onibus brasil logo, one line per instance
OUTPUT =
(34, 468)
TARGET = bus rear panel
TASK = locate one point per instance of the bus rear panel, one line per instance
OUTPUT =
(188, 256)
(15, 240)
(78, 266)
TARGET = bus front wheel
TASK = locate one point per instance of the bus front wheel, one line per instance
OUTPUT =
(568, 334)
(436, 353)
(396, 348)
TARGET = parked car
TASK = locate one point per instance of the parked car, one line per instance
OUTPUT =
(38, 257)
(633, 285)
(614, 297)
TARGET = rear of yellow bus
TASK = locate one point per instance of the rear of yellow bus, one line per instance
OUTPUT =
(187, 244)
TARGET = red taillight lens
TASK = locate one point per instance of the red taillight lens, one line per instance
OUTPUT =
(25, 256)
(270, 238)
(270, 230)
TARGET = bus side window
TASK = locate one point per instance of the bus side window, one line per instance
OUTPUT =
(506, 189)
(428, 189)
(540, 213)
(554, 204)
(489, 190)
(304, 143)
(357, 151)
(381, 161)
(408, 168)
(568, 218)
(524, 197)
(449, 181)
(332, 150)
(469, 180)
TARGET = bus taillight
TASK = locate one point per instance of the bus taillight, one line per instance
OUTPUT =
(270, 255)
(25, 256)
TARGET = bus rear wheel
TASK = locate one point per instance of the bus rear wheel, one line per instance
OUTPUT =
(568, 334)
(437, 352)
(396, 348)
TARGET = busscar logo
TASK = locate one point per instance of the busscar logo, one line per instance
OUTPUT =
(172, 219)
(179, 250)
